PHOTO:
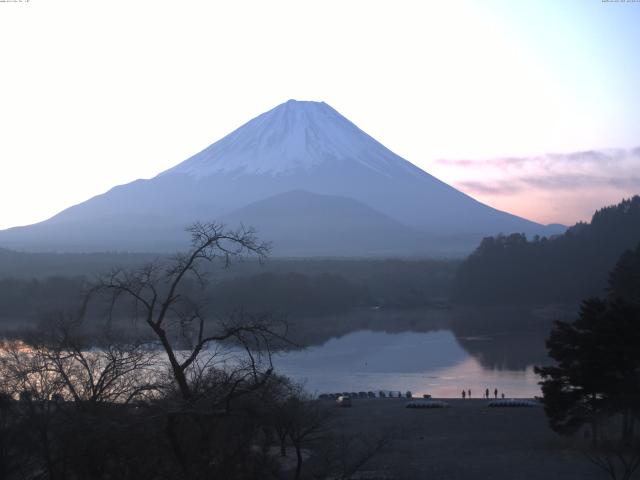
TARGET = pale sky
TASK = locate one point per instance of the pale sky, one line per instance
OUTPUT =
(98, 93)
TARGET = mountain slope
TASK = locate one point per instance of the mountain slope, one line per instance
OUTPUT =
(295, 146)
(303, 223)
(310, 146)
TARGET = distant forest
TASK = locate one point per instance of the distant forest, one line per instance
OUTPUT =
(503, 270)
(32, 286)
(565, 268)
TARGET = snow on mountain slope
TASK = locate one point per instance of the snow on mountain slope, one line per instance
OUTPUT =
(310, 146)
(296, 146)
(296, 135)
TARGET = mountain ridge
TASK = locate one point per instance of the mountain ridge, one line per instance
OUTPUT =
(295, 146)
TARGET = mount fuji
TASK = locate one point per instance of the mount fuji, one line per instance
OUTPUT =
(310, 180)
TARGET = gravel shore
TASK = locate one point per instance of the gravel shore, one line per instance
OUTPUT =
(466, 441)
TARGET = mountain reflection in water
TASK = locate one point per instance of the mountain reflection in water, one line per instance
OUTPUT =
(439, 352)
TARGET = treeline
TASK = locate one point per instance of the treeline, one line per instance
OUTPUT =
(15, 264)
(287, 292)
(565, 268)
(293, 293)
(290, 293)
(30, 300)
(429, 274)
(323, 286)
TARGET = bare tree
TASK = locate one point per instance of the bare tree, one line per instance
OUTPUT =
(65, 380)
(161, 302)
(27, 377)
(9, 453)
(615, 451)
(309, 421)
(213, 362)
(214, 401)
(58, 361)
(105, 366)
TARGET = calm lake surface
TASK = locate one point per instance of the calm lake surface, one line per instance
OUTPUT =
(426, 351)
(423, 362)
(436, 351)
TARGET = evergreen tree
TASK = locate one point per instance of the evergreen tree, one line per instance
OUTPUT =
(596, 378)
(624, 281)
(597, 367)
(511, 269)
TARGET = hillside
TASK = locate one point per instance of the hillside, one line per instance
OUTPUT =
(303, 223)
(564, 268)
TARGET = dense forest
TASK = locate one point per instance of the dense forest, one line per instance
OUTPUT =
(15, 264)
(503, 270)
(564, 268)
(33, 286)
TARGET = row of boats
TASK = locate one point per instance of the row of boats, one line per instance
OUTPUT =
(344, 400)
(354, 395)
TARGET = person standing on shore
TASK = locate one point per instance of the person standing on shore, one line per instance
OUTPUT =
(469, 393)
(464, 394)
(495, 393)
(486, 393)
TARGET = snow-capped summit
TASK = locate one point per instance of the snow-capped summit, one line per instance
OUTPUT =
(309, 178)
(294, 136)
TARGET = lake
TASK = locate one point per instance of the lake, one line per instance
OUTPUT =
(423, 362)
(425, 352)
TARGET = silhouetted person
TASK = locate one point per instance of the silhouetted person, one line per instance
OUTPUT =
(469, 393)
(486, 393)
(464, 394)
(495, 393)
(503, 395)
